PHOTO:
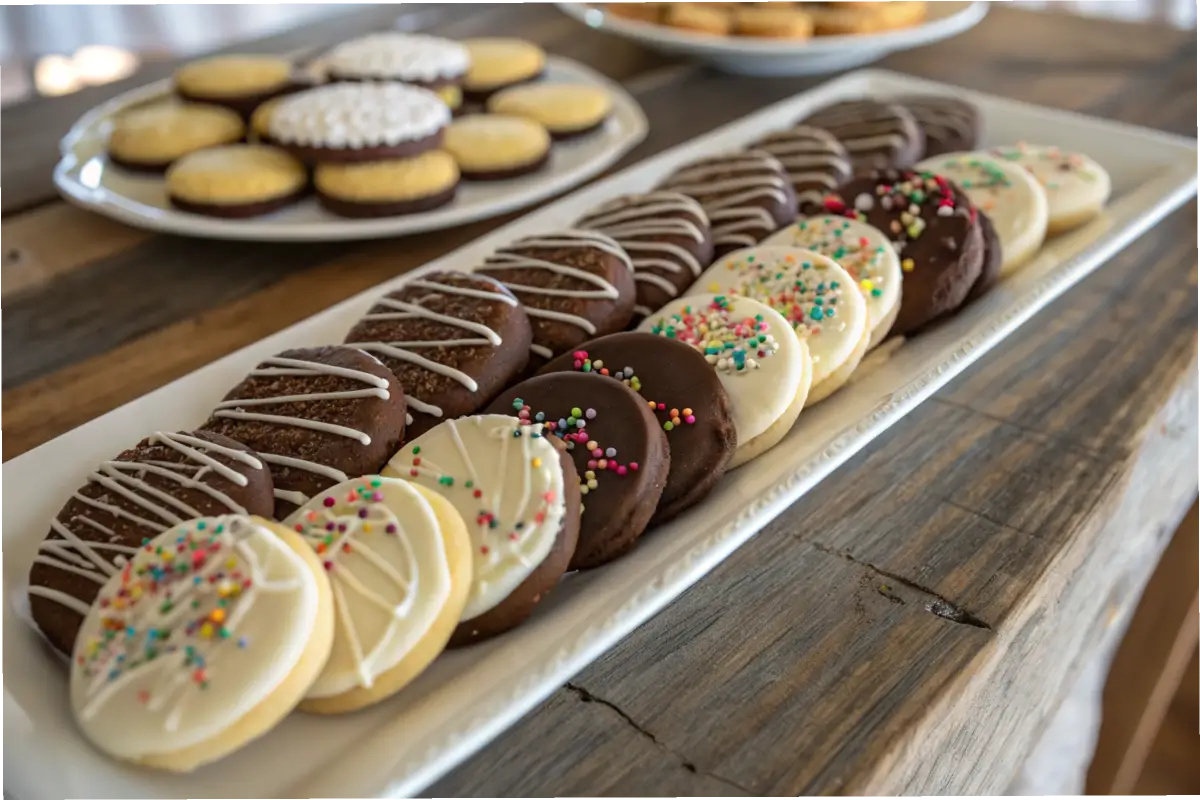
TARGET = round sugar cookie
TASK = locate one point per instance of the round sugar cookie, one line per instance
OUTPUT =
(815, 161)
(519, 497)
(1076, 186)
(864, 252)
(492, 147)
(877, 135)
(149, 139)
(236, 181)
(398, 559)
(763, 365)
(500, 62)
(818, 298)
(427, 61)
(566, 110)
(207, 639)
(238, 82)
(387, 188)
(1010, 196)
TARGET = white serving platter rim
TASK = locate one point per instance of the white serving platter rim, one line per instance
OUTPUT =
(78, 177)
(470, 696)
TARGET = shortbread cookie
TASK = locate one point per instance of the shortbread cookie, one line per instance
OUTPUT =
(260, 122)
(317, 416)
(453, 339)
(772, 21)
(747, 196)
(238, 82)
(683, 391)
(1076, 186)
(619, 449)
(399, 561)
(574, 285)
(698, 18)
(643, 12)
(877, 135)
(566, 110)
(848, 19)
(864, 252)
(818, 298)
(667, 236)
(816, 163)
(499, 62)
(492, 147)
(149, 139)
(208, 638)
(164, 480)
(764, 366)
(388, 188)
(236, 181)
(367, 121)
(1011, 197)
(950, 125)
(519, 496)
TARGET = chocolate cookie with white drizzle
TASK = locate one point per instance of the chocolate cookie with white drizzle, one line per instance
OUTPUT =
(877, 135)
(815, 161)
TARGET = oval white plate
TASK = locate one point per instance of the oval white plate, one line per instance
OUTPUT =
(762, 56)
(85, 177)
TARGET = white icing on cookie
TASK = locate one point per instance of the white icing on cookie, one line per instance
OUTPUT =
(205, 623)
(354, 115)
(382, 548)
(732, 189)
(407, 57)
(506, 481)
(815, 161)
(1075, 185)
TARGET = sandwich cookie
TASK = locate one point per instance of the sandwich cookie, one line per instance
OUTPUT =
(498, 63)
(566, 110)
(204, 641)
(453, 339)
(149, 139)
(260, 122)
(864, 252)
(819, 299)
(236, 181)
(166, 479)
(667, 236)
(619, 448)
(317, 417)
(950, 125)
(430, 62)
(494, 147)
(1076, 186)
(877, 135)
(240, 83)
(398, 559)
(763, 365)
(519, 497)
(816, 163)
(387, 188)
(684, 393)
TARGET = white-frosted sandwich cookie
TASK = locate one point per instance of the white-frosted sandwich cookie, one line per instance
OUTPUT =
(1076, 186)
(430, 62)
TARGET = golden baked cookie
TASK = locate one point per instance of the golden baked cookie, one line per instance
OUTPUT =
(239, 82)
(452, 96)
(151, 137)
(494, 146)
(838, 19)
(388, 188)
(642, 12)
(260, 121)
(566, 110)
(236, 181)
(698, 18)
(498, 62)
(772, 22)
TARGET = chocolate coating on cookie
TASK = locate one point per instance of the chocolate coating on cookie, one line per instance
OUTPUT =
(453, 339)
(993, 260)
(815, 161)
(165, 479)
(876, 135)
(620, 452)
(238, 210)
(685, 394)
(393, 208)
(950, 125)
(317, 417)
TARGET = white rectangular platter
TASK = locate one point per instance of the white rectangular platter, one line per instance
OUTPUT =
(470, 696)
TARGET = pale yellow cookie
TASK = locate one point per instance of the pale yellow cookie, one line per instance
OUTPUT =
(564, 109)
(643, 12)
(260, 120)
(152, 137)
(498, 62)
(452, 96)
(237, 180)
(386, 188)
(495, 146)
(698, 18)
(838, 19)
(772, 22)
(239, 82)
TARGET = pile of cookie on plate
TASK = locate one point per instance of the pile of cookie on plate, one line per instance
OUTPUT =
(382, 125)
(348, 511)
(780, 20)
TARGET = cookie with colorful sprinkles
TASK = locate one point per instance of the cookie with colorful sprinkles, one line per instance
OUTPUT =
(619, 448)
(518, 494)
(205, 640)
(683, 391)
(398, 558)
(1076, 186)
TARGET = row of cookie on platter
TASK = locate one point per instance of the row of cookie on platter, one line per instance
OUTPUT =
(378, 138)
(776, 20)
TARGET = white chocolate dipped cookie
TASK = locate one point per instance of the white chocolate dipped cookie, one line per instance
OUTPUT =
(1010, 196)
(205, 640)
(763, 365)
(863, 251)
(818, 299)
(398, 559)
(1076, 186)
(520, 500)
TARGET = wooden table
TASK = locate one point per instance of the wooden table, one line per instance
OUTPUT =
(909, 625)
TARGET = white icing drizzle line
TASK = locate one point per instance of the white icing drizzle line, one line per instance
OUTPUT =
(727, 187)
(634, 221)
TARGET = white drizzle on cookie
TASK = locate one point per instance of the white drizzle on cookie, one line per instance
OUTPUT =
(731, 189)
(816, 163)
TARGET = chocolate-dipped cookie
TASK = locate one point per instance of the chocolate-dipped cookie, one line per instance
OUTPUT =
(815, 161)
(935, 230)
(165, 479)
(950, 125)
(747, 196)
(683, 390)
(453, 339)
(993, 259)
(574, 285)
(877, 135)
(619, 449)
(317, 417)
(667, 236)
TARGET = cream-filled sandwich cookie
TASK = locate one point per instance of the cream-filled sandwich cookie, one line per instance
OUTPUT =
(207, 637)
(764, 366)
(1010, 196)
(150, 138)
(492, 147)
(1076, 186)
(398, 559)
(236, 181)
(818, 299)
(430, 62)
(863, 251)
(518, 494)
(238, 82)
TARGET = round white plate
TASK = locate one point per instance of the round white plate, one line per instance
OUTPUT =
(762, 56)
(85, 177)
